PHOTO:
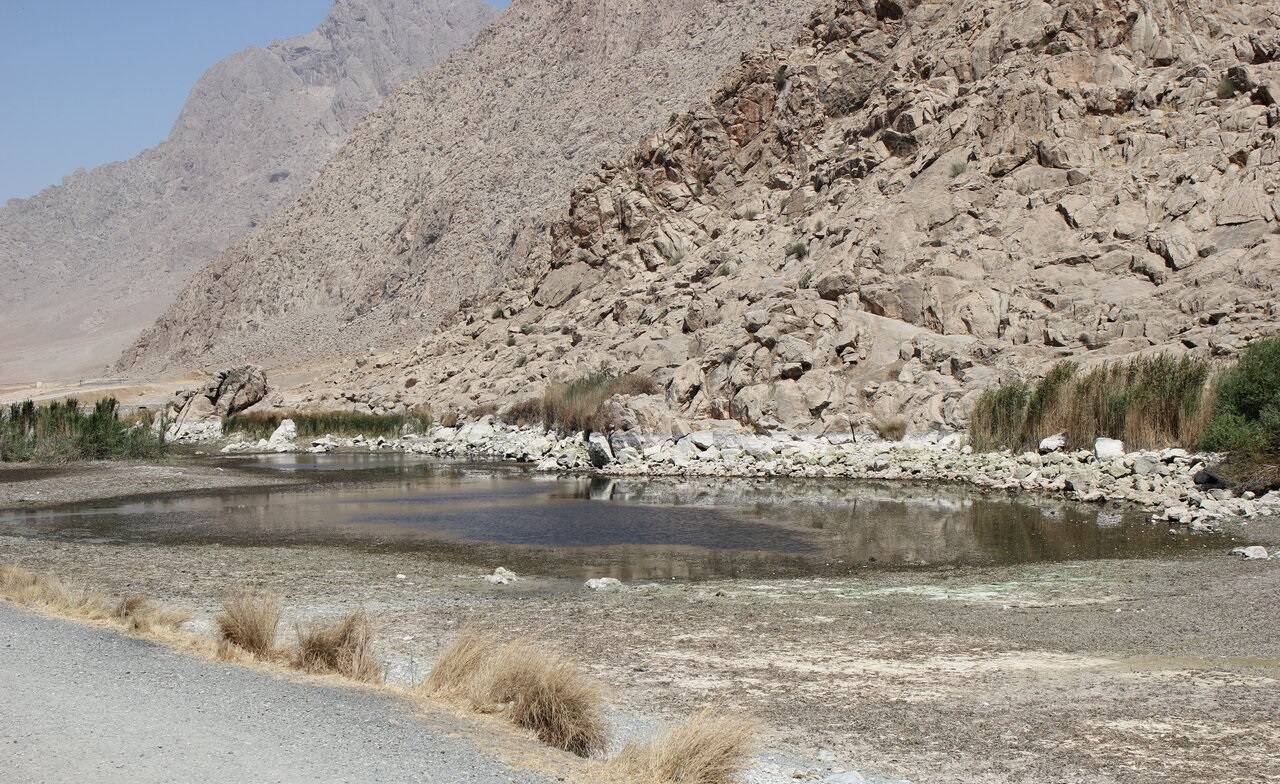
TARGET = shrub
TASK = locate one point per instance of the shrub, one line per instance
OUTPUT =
(893, 429)
(710, 748)
(344, 647)
(250, 622)
(23, 587)
(141, 615)
(483, 410)
(959, 167)
(798, 249)
(534, 688)
(60, 431)
(1246, 416)
(579, 404)
(526, 412)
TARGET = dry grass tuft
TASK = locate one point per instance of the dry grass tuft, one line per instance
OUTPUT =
(343, 647)
(458, 669)
(251, 622)
(893, 429)
(143, 616)
(534, 688)
(710, 748)
(22, 587)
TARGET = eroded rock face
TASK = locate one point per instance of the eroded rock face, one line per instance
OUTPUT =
(445, 191)
(900, 211)
(89, 263)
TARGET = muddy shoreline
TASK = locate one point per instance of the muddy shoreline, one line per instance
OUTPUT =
(1145, 670)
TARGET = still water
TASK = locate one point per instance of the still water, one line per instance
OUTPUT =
(633, 529)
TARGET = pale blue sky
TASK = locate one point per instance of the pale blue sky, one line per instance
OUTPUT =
(87, 82)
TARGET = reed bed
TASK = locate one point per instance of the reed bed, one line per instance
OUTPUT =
(64, 431)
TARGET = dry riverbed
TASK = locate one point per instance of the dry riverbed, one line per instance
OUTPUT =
(1098, 671)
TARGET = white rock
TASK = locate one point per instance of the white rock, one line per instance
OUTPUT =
(1053, 443)
(1254, 553)
(1108, 449)
(604, 584)
(402, 577)
(502, 576)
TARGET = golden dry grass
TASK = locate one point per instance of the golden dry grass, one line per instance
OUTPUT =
(144, 616)
(251, 622)
(23, 587)
(532, 687)
(460, 665)
(343, 647)
(710, 748)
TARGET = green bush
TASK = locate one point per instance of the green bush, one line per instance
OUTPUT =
(60, 431)
(1246, 414)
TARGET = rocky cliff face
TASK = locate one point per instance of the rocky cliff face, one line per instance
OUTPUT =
(912, 203)
(89, 263)
(442, 192)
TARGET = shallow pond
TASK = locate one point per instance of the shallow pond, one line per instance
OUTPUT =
(633, 529)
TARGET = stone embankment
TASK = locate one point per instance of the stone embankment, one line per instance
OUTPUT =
(1175, 485)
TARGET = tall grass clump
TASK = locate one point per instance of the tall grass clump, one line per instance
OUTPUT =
(1246, 415)
(251, 622)
(1147, 402)
(62, 431)
(579, 404)
(261, 424)
(23, 587)
(534, 688)
(343, 647)
(710, 748)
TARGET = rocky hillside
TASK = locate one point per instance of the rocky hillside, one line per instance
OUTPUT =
(908, 205)
(89, 263)
(442, 192)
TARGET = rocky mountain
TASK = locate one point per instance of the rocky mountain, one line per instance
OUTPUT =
(911, 203)
(88, 263)
(444, 192)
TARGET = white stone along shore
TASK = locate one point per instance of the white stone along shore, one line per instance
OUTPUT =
(1163, 481)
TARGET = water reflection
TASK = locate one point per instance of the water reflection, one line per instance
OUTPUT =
(632, 529)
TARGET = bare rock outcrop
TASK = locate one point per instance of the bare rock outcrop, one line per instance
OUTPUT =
(196, 414)
(446, 190)
(89, 263)
(911, 203)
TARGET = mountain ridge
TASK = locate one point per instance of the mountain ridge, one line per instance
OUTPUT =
(91, 261)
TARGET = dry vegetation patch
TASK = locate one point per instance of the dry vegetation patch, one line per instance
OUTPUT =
(534, 688)
(250, 622)
(711, 748)
(343, 647)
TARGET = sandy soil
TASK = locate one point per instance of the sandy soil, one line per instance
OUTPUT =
(1105, 671)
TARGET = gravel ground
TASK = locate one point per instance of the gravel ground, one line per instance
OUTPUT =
(83, 704)
(26, 486)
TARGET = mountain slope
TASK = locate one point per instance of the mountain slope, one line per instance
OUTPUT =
(89, 263)
(910, 204)
(440, 193)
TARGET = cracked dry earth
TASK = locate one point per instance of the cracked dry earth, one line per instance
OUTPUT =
(1104, 671)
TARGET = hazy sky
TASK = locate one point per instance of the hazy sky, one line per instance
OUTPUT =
(87, 82)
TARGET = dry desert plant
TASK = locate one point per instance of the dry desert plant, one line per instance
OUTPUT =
(23, 587)
(534, 688)
(710, 748)
(250, 621)
(458, 670)
(145, 617)
(343, 647)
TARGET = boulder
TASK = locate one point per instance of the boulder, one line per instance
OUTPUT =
(282, 440)
(604, 584)
(1254, 553)
(1108, 449)
(1054, 443)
